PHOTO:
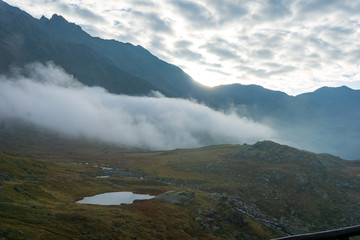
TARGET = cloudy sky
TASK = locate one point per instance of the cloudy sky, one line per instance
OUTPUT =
(289, 45)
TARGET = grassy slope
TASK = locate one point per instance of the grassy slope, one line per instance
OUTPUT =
(37, 198)
(37, 201)
(302, 193)
(296, 190)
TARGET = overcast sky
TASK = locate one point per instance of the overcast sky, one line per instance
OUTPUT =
(289, 45)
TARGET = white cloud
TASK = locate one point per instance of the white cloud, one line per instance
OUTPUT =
(311, 37)
(48, 97)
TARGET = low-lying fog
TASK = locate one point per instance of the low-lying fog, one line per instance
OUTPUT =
(49, 97)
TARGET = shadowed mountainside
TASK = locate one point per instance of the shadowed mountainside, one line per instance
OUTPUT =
(322, 121)
(169, 79)
(23, 40)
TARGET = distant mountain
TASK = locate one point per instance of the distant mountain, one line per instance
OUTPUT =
(340, 99)
(326, 120)
(329, 120)
(252, 101)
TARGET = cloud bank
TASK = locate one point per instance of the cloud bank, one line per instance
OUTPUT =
(292, 46)
(47, 96)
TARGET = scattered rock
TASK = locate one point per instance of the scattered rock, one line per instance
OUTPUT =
(32, 178)
(5, 177)
(206, 223)
(244, 153)
(28, 204)
(236, 235)
(235, 218)
(181, 197)
(5, 197)
(211, 214)
(15, 234)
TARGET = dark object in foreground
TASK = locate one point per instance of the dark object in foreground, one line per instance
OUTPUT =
(340, 234)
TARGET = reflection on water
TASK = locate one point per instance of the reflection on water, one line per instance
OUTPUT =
(114, 198)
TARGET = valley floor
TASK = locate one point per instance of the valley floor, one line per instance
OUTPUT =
(256, 191)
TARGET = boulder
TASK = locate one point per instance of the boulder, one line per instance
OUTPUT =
(181, 197)
(235, 218)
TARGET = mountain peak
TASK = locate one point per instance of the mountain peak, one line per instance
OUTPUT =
(345, 87)
(60, 22)
(43, 18)
(341, 88)
(58, 18)
(60, 28)
(326, 92)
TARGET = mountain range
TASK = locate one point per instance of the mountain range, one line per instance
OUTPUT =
(326, 120)
(259, 190)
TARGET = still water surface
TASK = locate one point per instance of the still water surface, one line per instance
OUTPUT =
(114, 198)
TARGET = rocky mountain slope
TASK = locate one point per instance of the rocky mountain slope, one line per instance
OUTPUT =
(39, 188)
(23, 40)
(240, 190)
(169, 79)
(322, 121)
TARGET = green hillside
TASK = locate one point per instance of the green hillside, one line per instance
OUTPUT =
(272, 189)
(37, 198)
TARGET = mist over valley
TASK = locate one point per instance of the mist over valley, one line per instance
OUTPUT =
(83, 116)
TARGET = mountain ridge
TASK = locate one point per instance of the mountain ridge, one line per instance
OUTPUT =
(238, 191)
(170, 79)
(24, 41)
(60, 21)
(322, 121)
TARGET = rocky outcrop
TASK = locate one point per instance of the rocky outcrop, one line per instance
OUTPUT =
(181, 197)
(235, 218)
(217, 219)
